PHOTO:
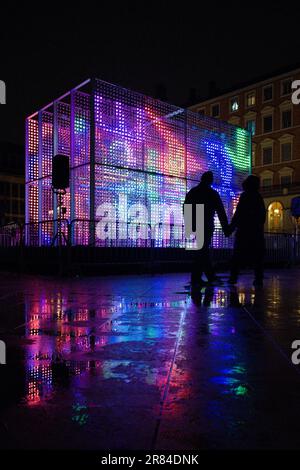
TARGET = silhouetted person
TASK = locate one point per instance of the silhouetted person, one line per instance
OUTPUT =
(248, 221)
(60, 370)
(200, 298)
(203, 193)
(92, 339)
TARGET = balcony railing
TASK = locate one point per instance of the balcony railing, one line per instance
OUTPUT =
(280, 189)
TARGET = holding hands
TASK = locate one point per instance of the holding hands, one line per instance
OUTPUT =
(228, 230)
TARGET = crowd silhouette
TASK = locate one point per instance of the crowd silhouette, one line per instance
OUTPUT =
(247, 223)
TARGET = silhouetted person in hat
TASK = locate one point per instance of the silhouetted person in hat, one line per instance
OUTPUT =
(248, 221)
(203, 193)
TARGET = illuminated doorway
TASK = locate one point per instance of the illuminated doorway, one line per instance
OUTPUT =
(275, 217)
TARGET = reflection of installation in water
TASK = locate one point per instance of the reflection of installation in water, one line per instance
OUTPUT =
(128, 153)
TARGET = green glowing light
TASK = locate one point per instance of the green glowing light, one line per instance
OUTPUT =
(240, 154)
(241, 390)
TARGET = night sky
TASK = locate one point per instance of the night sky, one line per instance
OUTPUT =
(138, 45)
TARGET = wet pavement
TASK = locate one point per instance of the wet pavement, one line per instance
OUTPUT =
(136, 362)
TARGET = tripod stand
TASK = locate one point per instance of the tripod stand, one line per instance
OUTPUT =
(60, 235)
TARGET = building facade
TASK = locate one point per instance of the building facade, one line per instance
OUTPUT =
(12, 168)
(265, 108)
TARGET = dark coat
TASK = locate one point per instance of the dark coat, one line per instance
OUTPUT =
(248, 220)
(205, 194)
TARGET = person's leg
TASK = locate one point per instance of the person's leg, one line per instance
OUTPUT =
(234, 266)
(236, 260)
(207, 266)
(202, 263)
(194, 272)
(197, 267)
(206, 258)
(259, 268)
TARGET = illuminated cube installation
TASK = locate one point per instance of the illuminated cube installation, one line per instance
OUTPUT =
(132, 160)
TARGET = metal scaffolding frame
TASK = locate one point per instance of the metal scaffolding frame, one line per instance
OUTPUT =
(125, 144)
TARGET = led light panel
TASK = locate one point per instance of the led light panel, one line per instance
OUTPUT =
(132, 161)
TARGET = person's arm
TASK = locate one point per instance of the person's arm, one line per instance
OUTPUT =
(263, 212)
(221, 214)
(188, 200)
(237, 215)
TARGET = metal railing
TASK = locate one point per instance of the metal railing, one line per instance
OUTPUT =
(280, 247)
(11, 234)
(280, 189)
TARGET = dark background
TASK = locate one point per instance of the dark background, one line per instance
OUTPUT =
(49, 49)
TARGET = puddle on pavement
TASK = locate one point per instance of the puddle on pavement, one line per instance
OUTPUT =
(63, 339)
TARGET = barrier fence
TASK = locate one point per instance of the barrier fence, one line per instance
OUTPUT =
(280, 247)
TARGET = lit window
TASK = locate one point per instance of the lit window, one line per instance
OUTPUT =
(275, 216)
(215, 110)
(286, 86)
(286, 151)
(267, 155)
(251, 126)
(234, 104)
(250, 100)
(268, 93)
(286, 118)
(268, 123)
